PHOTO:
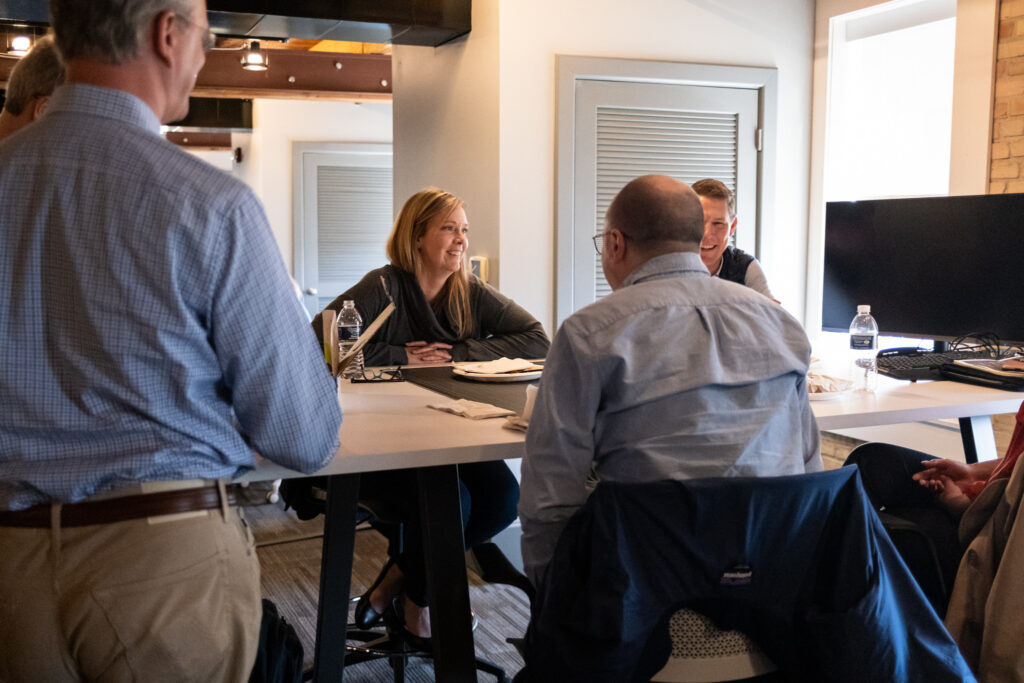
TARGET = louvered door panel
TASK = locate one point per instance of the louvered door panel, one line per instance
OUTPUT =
(628, 129)
(353, 222)
(685, 145)
(343, 215)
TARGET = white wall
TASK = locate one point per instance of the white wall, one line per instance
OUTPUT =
(528, 35)
(447, 122)
(279, 123)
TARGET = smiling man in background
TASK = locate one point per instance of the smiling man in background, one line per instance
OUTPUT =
(719, 256)
(141, 369)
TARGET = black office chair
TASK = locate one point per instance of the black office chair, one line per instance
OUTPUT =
(308, 497)
(800, 564)
(917, 548)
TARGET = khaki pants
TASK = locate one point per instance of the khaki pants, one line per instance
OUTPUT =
(163, 599)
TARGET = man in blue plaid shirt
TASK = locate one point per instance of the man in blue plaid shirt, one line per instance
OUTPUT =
(152, 343)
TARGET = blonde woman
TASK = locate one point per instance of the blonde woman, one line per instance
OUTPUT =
(443, 313)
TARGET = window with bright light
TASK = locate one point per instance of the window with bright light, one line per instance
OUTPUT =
(889, 117)
(890, 110)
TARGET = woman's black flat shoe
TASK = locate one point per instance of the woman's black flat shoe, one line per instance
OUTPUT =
(365, 616)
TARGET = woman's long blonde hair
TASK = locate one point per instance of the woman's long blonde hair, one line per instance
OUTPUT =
(410, 225)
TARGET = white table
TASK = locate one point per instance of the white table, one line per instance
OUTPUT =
(898, 402)
(388, 426)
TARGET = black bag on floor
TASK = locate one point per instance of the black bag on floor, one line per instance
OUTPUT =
(279, 659)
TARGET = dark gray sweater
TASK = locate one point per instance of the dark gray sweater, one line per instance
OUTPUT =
(500, 326)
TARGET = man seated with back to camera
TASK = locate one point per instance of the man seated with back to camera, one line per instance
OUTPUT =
(720, 257)
(675, 375)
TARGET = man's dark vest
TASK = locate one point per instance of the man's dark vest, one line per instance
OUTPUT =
(734, 265)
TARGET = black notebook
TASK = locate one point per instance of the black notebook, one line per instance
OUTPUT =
(989, 372)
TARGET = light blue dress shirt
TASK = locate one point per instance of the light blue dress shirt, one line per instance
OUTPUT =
(676, 375)
(147, 324)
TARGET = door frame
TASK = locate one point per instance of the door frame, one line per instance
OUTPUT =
(572, 69)
(303, 235)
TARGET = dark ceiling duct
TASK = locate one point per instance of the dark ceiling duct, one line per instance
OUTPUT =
(401, 22)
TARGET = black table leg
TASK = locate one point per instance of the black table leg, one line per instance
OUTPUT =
(967, 436)
(335, 577)
(451, 625)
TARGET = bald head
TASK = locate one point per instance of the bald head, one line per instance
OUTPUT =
(657, 212)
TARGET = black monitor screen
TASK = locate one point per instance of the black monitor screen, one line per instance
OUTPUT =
(933, 267)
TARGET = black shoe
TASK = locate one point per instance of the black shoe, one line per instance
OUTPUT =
(365, 616)
(394, 619)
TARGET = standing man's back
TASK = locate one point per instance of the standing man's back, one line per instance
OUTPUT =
(675, 375)
(152, 342)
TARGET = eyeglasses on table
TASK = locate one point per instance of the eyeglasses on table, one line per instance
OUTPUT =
(380, 375)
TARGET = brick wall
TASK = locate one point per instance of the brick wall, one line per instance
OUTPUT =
(1007, 173)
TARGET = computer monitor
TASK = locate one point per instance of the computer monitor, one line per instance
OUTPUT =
(931, 267)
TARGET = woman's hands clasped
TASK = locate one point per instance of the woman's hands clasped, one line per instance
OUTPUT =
(424, 353)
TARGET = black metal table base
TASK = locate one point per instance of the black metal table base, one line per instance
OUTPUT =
(448, 588)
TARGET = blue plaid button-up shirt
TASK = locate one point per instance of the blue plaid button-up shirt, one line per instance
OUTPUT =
(147, 324)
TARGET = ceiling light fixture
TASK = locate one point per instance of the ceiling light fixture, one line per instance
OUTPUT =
(20, 45)
(253, 59)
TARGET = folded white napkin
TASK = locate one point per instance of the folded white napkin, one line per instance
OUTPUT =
(471, 409)
(501, 366)
(516, 423)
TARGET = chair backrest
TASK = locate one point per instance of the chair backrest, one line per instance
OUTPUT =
(799, 563)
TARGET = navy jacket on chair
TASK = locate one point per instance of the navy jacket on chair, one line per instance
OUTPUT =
(801, 564)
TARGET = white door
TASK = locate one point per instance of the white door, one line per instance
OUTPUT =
(628, 129)
(343, 215)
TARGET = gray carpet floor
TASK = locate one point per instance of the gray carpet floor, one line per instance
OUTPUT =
(289, 552)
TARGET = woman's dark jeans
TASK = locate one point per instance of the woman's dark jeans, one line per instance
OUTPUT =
(488, 493)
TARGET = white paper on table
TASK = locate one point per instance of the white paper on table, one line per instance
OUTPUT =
(501, 366)
(474, 410)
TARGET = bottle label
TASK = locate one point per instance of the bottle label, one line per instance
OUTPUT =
(862, 342)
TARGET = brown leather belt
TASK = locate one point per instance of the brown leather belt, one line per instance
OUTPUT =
(124, 508)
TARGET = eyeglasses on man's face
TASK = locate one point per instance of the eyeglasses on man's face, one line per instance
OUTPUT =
(208, 37)
(598, 239)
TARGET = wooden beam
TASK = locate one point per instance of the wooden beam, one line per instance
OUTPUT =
(302, 75)
(291, 74)
(218, 141)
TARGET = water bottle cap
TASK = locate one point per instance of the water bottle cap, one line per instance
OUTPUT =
(863, 308)
(348, 302)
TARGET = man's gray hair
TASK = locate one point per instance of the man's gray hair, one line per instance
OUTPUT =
(110, 31)
(36, 74)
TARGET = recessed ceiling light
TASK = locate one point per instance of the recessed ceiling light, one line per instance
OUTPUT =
(253, 59)
(20, 46)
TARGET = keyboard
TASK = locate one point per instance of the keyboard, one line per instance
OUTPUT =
(915, 364)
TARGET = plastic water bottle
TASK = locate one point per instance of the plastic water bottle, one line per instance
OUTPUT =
(863, 349)
(349, 327)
